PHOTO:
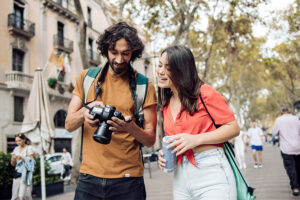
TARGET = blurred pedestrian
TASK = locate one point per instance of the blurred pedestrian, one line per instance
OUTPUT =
(239, 147)
(67, 162)
(202, 170)
(287, 127)
(23, 160)
(256, 137)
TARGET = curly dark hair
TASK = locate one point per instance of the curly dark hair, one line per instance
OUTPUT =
(112, 34)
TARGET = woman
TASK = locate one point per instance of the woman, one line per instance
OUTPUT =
(239, 147)
(23, 160)
(202, 170)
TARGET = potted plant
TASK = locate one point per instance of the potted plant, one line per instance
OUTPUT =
(5, 176)
(52, 82)
(53, 183)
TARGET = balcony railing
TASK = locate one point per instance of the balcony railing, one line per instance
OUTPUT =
(94, 57)
(18, 25)
(62, 7)
(16, 79)
(63, 44)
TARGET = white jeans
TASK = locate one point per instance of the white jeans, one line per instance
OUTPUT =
(212, 179)
(20, 190)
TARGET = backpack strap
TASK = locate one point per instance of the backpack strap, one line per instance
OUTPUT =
(89, 79)
(87, 82)
(141, 92)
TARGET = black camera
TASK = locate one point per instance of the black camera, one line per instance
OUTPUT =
(103, 134)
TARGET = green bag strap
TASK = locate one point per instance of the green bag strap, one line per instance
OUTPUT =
(227, 145)
(89, 79)
(141, 91)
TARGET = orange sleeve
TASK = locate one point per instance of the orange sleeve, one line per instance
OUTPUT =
(151, 96)
(78, 90)
(217, 105)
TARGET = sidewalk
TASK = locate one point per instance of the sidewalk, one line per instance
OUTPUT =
(270, 182)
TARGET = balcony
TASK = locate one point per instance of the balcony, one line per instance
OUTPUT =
(16, 79)
(94, 57)
(19, 26)
(63, 44)
(63, 8)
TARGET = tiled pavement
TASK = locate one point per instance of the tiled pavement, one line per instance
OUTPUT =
(271, 181)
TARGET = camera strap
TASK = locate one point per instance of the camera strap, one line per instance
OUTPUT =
(138, 88)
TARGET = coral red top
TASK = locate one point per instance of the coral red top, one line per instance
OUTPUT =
(200, 121)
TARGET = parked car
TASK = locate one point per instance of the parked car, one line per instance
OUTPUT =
(55, 164)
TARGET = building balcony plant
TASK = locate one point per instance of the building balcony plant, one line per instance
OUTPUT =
(17, 25)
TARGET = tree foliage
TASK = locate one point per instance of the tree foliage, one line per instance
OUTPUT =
(228, 56)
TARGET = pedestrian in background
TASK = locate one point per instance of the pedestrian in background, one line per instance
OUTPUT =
(67, 162)
(239, 147)
(256, 137)
(287, 127)
(23, 160)
(202, 170)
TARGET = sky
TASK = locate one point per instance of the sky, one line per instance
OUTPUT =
(267, 11)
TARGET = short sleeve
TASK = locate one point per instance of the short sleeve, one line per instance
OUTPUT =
(15, 151)
(151, 96)
(31, 150)
(216, 105)
(78, 90)
(261, 132)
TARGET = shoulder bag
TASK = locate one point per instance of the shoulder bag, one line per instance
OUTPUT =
(244, 191)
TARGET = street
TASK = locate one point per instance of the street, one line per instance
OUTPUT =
(270, 182)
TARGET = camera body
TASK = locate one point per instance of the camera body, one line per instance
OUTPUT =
(103, 134)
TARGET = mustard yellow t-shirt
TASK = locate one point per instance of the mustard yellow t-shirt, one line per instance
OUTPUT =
(121, 157)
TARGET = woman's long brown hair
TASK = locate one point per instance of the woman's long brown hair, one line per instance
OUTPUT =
(183, 74)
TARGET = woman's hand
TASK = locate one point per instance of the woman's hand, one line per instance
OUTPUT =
(161, 160)
(183, 142)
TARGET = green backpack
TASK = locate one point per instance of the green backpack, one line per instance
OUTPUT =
(141, 92)
(141, 87)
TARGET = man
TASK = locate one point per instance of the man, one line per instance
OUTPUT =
(114, 170)
(255, 135)
(67, 162)
(287, 127)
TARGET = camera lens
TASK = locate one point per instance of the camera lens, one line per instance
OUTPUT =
(103, 134)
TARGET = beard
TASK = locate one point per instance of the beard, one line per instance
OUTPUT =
(118, 68)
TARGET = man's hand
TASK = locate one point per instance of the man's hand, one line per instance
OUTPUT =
(90, 118)
(118, 125)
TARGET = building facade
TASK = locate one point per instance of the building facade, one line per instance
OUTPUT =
(32, 33)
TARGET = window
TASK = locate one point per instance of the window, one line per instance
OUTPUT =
(89, 13)
(60, 33)
(18, 11)
(90, 48)
(18, 57)
(59, 2)
(60, 118)
(18, 109)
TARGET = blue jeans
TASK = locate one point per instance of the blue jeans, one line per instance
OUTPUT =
(212, 179)
(128, 188)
